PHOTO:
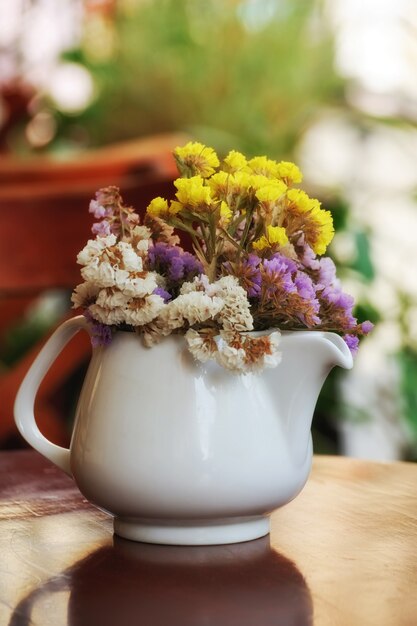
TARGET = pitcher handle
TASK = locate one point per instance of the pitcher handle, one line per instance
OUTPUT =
(25, 399)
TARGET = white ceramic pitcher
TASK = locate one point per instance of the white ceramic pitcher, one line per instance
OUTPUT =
(181, 452)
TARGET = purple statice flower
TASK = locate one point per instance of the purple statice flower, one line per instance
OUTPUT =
(247, 271)
(327, 273)
(289, 291)
(336, 296)
(342, 301)
(306, 290)
(164, 294)
(277, 274)
(100, 208)
(307, 255)
(192, 266)
(175, 267)
(173, 263)
(366, 327)
(305, 286)
(102, 229)
(352, 343)
(340, 304)
(283, 261)
(249, 274)
(252, 275)
(97, 210)
(101, 334)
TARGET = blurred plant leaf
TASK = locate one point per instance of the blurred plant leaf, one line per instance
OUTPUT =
(407, 362)
(366, 311)
(363, 262)
(239, 74)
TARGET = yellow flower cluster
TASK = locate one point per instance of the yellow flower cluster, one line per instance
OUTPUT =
(224, 196)
(271, 192)
(192, 192)
(196, 159)
(235, 162)
(226, 214)
(317, 222)
(159, 207)
(289, 173)
(275, 236)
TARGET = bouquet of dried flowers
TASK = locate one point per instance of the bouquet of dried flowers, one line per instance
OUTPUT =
(256, 265)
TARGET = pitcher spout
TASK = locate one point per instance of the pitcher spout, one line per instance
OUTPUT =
(307, 358)
(336, 351)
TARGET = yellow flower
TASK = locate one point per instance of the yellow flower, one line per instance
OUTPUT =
(288, 172)
(192, 192)
(271, 192)
(157, 207)
(225, 214)
(240, 182)
(174, 207)
(223, 184)
(275, 235)
(305, 214)
(258, 180)
(219, 184)
(325, 230)
(299, 201)
(264, 166)
(196, 159)
(235, 161)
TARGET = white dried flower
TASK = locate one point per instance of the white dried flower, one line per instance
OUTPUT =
(104, 274)
(226, 284)
(235, 314)
(142, 246)
(200, 283)
(84, 295)
(273, 359)
(110, 297)
(139, 287)
(140, 239)
(154, 332)
(170, 318)
(247, 353)
(131, 261)
(230, 357)
(202, 346)
(144, 310)
(94, 248)
(197, 307)
(141, 233)
(107, 316)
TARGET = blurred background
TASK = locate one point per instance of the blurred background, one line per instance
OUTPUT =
(100, 91)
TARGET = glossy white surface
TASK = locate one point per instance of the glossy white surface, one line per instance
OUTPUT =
(172, 447)
(193, 533)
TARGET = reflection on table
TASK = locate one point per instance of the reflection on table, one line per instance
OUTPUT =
(343, 553)
(127, 583)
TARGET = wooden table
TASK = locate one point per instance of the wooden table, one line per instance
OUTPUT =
(344, 553)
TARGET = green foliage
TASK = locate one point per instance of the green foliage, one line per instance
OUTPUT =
(407, 362)
(363, 262)
(340, 212)
(240, 75)
(28, 330)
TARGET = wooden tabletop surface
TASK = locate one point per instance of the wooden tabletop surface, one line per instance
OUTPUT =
(343, 553)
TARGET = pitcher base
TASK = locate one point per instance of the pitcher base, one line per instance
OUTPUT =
(193, 532)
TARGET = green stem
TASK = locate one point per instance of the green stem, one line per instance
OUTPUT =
(231, 240)
(249, 215)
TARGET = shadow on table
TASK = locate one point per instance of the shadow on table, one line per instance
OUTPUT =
(133, 583)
